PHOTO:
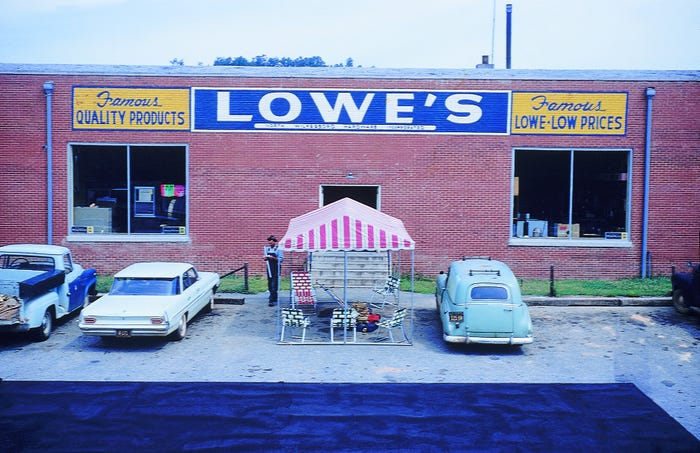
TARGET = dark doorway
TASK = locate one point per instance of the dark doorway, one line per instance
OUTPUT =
(368, 195)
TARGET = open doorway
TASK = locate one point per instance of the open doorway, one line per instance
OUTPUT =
(368, 195)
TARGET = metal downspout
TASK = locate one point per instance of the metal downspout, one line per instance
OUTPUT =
(48, 90)
(509, 22)
(650, 92)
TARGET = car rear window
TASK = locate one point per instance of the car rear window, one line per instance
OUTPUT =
(28, 262)
(144, 287)
(489, 292)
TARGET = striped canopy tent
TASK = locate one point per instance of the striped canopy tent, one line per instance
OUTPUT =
(346, 225)
(349, 226)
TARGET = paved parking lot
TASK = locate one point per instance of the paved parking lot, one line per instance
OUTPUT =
(651, 346)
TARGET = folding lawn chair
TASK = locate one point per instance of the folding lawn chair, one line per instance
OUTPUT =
(303, 294)
(395, 322)
(344, 319)
(294, 318)
(386, 290)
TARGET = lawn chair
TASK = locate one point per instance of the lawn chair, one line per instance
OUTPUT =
(386, 290)
(303, 294)
(294, 318)
(344, 319)
(395, 322)
(330, 292)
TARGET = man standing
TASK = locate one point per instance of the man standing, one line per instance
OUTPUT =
(273, 259)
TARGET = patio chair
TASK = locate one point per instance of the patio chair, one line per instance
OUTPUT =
(385, 290)
(303, 294)
(330, 292)
(344, 319)
(395, 322)
(294, 318)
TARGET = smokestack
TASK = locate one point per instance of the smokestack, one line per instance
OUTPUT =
(485, 62)
(509, 24)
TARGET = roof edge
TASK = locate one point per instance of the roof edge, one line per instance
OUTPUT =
(349, 73)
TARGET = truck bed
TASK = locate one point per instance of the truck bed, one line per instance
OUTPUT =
(26, 284)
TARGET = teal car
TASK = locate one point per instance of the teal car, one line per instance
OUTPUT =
(479, 301)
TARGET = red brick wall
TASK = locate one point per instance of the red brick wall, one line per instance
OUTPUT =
(452, 192)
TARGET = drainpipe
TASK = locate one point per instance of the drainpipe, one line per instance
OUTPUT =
(647, 164)
(509, 11)
(48, 90)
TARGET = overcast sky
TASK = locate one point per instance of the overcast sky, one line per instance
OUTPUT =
(546, 34)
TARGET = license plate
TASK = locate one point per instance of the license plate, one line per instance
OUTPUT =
(123, 333)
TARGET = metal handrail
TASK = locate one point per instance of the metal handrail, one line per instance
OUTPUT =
(243, 268)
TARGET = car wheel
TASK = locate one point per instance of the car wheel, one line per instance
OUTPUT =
(43, 332)
(210, 305)
(679, 302)
(181, 330)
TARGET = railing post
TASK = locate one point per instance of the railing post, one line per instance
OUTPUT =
(551, 281)
(245, 276)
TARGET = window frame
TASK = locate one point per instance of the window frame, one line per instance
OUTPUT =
(128, 236)
(570, 241)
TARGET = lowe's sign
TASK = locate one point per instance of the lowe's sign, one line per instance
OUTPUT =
(351, 111)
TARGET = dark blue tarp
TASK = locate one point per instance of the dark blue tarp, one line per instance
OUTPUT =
(204, 416)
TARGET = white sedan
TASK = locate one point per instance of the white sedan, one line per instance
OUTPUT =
(151, 299)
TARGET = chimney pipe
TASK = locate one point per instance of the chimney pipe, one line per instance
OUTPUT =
(509, 24)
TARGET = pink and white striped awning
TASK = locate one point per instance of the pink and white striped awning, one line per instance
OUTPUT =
(346, 225)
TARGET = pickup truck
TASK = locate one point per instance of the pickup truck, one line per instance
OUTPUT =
(38, 285)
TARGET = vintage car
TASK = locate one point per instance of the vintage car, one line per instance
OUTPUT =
(479, 301)
(686, 290)
(151, 299)
(39, 284)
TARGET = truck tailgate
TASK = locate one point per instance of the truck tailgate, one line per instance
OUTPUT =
(9, 308)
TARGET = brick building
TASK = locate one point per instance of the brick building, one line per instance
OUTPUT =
(594, 172)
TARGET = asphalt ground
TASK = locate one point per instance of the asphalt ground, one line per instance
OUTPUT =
(577, 340)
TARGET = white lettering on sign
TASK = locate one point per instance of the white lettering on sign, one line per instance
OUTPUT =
(343, 101)
(469, 112)
(223, 100)
(454, 104)
(293, 107)
(394, 108)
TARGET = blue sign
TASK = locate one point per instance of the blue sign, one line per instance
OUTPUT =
(351, 111)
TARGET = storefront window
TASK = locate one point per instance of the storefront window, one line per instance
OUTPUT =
(571, 194)
(128, 189)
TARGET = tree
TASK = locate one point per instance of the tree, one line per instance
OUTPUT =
(264, 60)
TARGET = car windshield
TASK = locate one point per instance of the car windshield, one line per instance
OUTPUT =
(489, 292)
(144, 286)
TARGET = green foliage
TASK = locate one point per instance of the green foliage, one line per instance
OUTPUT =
(285, 62)
(104, 283)
(631, 287)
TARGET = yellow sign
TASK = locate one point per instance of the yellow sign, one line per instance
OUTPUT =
(153, 109)
(563, 113)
